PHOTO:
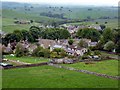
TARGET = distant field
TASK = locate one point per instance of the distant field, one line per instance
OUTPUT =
(112, 23)
(8, 25)
(27, 59)
(51, 77)
(76, 13)
(109, 67)
(11, 28)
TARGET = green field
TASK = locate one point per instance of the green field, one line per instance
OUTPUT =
(77, 13)
(51, 77)
(112, 23)
(27, 59)
(109, 67)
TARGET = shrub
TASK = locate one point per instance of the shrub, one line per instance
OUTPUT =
(20, 50)
(109, 46)
(53, 55)
(36, 51)
(96, 52)
(84, 57)
(70, 41)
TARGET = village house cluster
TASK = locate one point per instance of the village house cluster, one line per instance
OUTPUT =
(73, 49)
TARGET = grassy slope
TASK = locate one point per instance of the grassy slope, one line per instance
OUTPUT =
(8, 20)
(77, 13)
(50, 77)
(109, 67)
(27, 59)
(112, 23)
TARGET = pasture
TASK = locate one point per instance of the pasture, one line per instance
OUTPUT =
(74, 13)
(109, 67)
(51, 77)
(27, 59)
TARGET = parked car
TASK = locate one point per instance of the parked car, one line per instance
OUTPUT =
(5, 64)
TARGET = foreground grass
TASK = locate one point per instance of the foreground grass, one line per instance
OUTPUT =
(109, 67)
(51, 77)
(27, 59)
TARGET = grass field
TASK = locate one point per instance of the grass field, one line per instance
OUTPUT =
(109, 67)
(27, 59)
(51, 77)
(112, 23)
(78, 13)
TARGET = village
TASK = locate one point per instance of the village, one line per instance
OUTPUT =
(72, 49)
(59, 44)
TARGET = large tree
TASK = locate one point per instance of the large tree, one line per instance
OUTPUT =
(35, 32)
(108, 35)
(109, 46)
(89, 33)
(27, 36)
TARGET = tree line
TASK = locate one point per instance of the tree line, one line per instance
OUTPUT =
(34, 33)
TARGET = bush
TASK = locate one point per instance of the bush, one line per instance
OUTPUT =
(46, 53)
(70, 56)
(96, 52)
(36, 51)
(109, 46)
(70, 41)
(58, 53)
(40, 52)
(53, 55)
(20, 50)
(83, 43)
(85, 56)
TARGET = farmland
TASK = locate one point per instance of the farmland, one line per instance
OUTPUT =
(109, 67)
(27, 59)
(47, 76)
(33, 12)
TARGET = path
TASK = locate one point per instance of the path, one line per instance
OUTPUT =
(85, 71)
(18, 62)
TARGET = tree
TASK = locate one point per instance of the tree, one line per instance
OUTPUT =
(70, 41)
(117, 41)
(107, 35)
(64, 34)
(109, 46)
(36, 51)
(46, 53)
(58, 53)
(20, 50)
(31, 21)
(82, 43)
(106, 22)
(100, 44)
(53, 55)
(102, 26)
(89, 33)
(55, 33)
(118, 47)
(96, 52)
(35, 32)
(96, 22)
(10, 37)
(27, 36)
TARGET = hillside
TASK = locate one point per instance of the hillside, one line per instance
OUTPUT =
(47, 14)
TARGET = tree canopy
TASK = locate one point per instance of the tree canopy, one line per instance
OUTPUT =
(89, 33)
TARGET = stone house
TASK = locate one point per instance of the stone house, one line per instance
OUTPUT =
(46, 43)
(92, 44)
(76, 51)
